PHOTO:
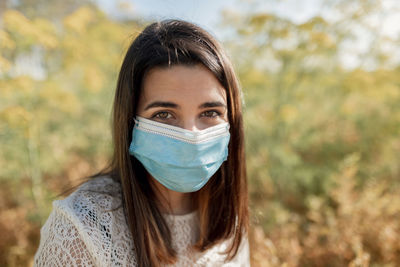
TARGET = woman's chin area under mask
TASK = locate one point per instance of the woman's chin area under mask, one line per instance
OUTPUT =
(189, 97)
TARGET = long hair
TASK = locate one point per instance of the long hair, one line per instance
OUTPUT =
(223, 202)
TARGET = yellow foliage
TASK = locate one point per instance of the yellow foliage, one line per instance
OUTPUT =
(79, 20)
(24, 84)
(93, 79)
(312, 23)
(383, 92)
(374, 87)
(261, 19)
(14, 20)
(13, 87)
(46, 34)
(39, 31)
(321, 39)
(289, 113)
(5, 40)
(60, 99)
(5, 65)
(255, 78)
(15, 116)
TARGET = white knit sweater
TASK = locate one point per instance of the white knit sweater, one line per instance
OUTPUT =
(88, 228)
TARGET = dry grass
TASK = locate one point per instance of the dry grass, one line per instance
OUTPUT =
(359, 227)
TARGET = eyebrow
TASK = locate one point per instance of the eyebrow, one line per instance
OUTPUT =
(212, 104)
(162, 104)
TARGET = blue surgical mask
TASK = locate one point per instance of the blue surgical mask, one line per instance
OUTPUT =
(179, 159)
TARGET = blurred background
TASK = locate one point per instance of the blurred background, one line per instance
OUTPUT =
(321, 82)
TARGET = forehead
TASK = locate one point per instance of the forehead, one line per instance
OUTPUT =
(182, 83)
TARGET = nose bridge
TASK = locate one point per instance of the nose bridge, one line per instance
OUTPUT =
(189, 123)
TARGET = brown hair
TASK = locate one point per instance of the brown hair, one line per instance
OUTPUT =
(164, 44)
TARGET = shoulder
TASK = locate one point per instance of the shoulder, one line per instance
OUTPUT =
(96, 208)
(94, 212)
(99, 194)
(93, 202)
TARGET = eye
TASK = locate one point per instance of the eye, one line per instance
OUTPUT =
(211, 113)
(163, 115)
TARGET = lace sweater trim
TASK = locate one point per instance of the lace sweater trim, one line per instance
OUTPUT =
(88, 228)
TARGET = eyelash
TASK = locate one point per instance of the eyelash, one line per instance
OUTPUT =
(216, 112)
(156, 115)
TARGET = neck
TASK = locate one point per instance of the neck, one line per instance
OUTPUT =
(172, 202)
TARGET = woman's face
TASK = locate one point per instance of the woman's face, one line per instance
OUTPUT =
(189, 97)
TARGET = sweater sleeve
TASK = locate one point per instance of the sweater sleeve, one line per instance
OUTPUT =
(61, 244)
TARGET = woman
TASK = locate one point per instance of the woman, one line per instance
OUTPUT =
(175, 191)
